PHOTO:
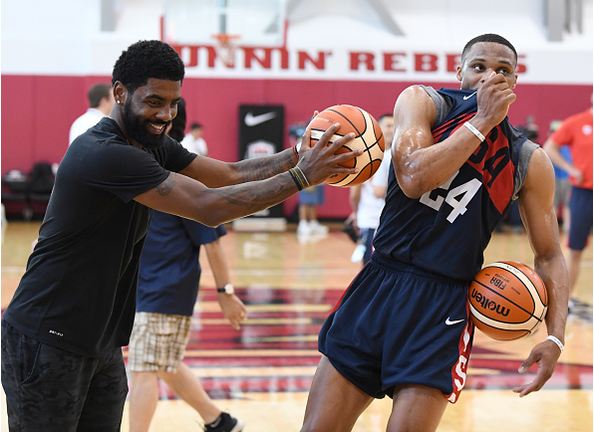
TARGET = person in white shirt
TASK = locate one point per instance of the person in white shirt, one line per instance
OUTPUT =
(367, 199)
(194, 142)
(100, 104)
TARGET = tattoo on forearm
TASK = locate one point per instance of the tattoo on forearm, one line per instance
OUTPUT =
(261, 168)
(267, 194)
(166, 187)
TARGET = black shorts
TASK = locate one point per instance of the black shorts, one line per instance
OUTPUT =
(49, 389)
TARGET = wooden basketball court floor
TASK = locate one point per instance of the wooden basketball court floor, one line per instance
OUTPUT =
(263, 372)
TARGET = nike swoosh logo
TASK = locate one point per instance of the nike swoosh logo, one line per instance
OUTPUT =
(469, 96)
(449, 322)
(254, 120)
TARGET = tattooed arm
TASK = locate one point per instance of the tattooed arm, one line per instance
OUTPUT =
(184, 196)
(215, 173)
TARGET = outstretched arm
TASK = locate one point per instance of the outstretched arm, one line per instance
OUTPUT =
(184, 196)
(538, 215)
(215, 173)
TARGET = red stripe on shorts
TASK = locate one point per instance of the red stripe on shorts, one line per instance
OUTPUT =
(460, 367)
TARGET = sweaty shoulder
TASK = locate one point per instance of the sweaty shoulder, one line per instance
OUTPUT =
(442, 104)
(415, 103)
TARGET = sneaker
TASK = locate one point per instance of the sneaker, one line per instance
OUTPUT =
(317, 228)
(359, 253)
(304, 228)
(225, 423)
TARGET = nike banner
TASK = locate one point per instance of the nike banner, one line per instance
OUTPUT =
(261, 131)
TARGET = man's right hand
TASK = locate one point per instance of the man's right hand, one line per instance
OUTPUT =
(320, 162)
(493, 100)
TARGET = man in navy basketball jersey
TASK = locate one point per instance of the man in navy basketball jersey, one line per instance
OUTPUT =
(402, 328)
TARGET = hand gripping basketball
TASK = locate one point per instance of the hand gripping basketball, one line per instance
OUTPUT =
(368, 138)
(320, 161)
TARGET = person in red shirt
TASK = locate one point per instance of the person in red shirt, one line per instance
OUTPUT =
(576, 133)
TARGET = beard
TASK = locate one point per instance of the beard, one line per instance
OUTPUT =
(137, 129)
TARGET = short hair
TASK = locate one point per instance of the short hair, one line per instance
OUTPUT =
(98, 92)
(147, 59)
(195, 125)
(380, 118)
(178, 124)
(488, 37)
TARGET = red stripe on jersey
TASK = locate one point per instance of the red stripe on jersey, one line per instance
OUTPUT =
(496, 167)
(446, 128)
(492, 159)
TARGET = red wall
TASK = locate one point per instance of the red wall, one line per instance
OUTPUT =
(37, 112)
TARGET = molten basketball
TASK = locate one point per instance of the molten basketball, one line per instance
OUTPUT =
(368, 137)
(508, 300)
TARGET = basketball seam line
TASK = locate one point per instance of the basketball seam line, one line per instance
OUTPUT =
(367, 119)
(351, 123)
(500, 329)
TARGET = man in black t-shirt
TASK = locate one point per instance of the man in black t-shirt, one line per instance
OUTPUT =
(62, 333)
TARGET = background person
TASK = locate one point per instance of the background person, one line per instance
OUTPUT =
(367, 199)
(576, 133)
(309, 200)
(194, 141)
(562, 184)
(167, 290)
(100, 104)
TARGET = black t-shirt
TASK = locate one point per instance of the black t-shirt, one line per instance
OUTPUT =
(79, 290)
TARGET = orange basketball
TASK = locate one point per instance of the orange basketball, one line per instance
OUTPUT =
(508, 300)
(368, 137)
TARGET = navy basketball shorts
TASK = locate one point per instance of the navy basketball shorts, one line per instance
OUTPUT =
(580, 213)
(49, 389)
(399, 325)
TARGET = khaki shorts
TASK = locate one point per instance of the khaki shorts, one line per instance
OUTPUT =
(158, 341)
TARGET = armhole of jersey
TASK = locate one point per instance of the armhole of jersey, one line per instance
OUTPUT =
(527, 149)
(442, 105)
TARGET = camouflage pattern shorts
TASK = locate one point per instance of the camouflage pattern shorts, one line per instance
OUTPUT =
(49, 389)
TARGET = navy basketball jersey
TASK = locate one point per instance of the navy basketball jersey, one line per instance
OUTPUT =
(447, 229)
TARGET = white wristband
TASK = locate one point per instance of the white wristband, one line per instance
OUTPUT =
(556, 341)
(475, 131)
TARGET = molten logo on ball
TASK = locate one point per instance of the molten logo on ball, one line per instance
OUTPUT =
(489, 304)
